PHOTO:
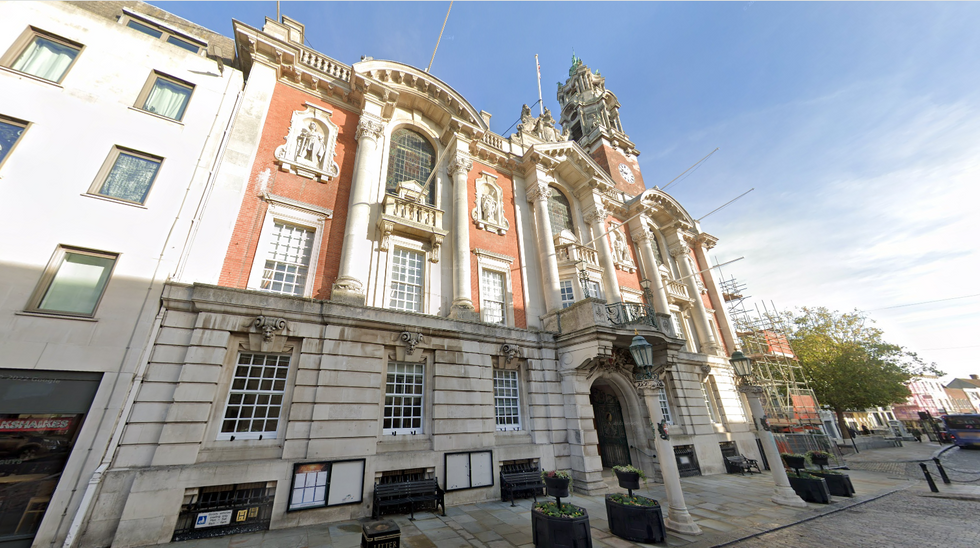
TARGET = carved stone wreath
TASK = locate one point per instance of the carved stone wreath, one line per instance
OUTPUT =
(310, 145)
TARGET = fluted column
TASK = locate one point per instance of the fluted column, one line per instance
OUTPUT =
(462, 307)
(355, 256)
(651, 270)
(596, 217)
(703, 242)
(678, 518)
(537, 195)
(682, 255)
(784, 493)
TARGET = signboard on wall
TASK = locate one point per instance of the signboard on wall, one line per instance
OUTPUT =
(320, 484)
(468, 470)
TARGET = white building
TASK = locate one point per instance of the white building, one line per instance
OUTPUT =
(112, 115)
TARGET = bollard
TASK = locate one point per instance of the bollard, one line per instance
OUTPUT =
(942, 471)
(925, 472)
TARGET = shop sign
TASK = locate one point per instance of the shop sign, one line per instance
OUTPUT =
(33, 425)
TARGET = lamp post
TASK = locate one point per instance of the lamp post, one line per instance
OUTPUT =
(783, 494)
(649, 383)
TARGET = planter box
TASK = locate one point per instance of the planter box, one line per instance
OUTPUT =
(796, 463)
(560, 532)
(637, 523)
(811, 490)
(820, 461)
(628, 480)
(557, 487)
(839, 484)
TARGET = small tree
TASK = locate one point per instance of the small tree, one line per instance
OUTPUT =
(847, 362)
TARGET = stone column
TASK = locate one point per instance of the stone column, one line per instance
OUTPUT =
(462, 307)
(651, 270)
(703, 242)
(537, 194)
(783, 494)
(355, 255)
(596, 218)
(681, 253)
(677, 518)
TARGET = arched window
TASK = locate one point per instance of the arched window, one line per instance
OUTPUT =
(559, 211)
(411, 158)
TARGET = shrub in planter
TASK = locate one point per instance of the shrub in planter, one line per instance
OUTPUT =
(557, 482)
(794, 461)
(809, 487)
(628, 476)
(819, 458)
(838, 483)
(635, 518)
(560, 526)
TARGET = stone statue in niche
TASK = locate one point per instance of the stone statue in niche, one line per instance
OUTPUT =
(310, 145)
(621, 254)
(488, 213)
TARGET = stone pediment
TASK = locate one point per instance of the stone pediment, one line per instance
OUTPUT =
(663, 208)
(572, 163)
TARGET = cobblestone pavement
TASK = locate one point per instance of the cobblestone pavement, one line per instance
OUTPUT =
(905, 518)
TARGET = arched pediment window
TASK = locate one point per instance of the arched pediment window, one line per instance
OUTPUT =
(411, 158)
(559, 212)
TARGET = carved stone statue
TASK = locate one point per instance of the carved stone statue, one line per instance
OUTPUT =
(309, 145)
(489, 208)
(619, 248)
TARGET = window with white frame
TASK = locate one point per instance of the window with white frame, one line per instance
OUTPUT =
(126, 175)
(404, 388)
(43, 55)
(256, 397)
(567, 293)
(73, 283)
(11, 130)
(507, 399)
(285, 259)
(665, 406)
(593, 289)
(709, 402)
(165, 95)
(492, 296)
(406, 280)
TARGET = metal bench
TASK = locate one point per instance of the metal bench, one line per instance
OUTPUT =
(408, 493)
(511, 482)
(742, 464)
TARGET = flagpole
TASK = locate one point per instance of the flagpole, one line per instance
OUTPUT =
(540, 101)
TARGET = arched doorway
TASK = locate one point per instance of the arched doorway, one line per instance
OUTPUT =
(614, 447)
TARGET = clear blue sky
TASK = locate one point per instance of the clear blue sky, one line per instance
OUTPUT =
(856, 123)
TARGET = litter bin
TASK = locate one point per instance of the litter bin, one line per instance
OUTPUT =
(380, 534)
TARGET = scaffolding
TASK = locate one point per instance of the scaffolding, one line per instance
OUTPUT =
(790, 404)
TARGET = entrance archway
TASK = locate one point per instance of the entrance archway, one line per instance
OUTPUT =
(614, 446)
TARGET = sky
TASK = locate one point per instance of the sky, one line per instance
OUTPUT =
(856, 124)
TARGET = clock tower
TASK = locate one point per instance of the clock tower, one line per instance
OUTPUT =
(590, 113)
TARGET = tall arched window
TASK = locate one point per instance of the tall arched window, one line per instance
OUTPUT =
(559, 211)
(411, 158)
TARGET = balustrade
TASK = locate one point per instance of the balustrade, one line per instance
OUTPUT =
(326, 64)
(401, 209)
(676, 289)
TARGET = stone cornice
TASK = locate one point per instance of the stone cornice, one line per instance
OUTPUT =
(295, 64)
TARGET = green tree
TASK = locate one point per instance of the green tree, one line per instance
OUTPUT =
(848, 363)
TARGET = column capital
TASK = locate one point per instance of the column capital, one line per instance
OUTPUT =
(679, 249)
(597, 214)
(369, 128)
(538, 190)
(640, 236)
(460, 164)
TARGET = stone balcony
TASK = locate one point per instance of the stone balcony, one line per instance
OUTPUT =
(595, 313)
(407, 215)
(676, 291)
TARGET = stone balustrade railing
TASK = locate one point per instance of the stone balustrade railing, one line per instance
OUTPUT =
(325, 64)
(676, 289)
(414, 212)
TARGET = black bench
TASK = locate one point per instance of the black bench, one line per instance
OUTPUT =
(408, 493)
(742, 464)
(511, 482)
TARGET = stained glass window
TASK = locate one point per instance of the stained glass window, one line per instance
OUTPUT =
(411, 158)
(560, 212)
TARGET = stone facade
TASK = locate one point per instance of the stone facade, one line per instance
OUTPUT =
(379, 287)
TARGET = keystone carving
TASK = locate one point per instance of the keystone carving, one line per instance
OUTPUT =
(511, 352)
(411, 340)
(269, 326)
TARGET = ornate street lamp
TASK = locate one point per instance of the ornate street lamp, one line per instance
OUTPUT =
(783, 494)
(642, 351)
